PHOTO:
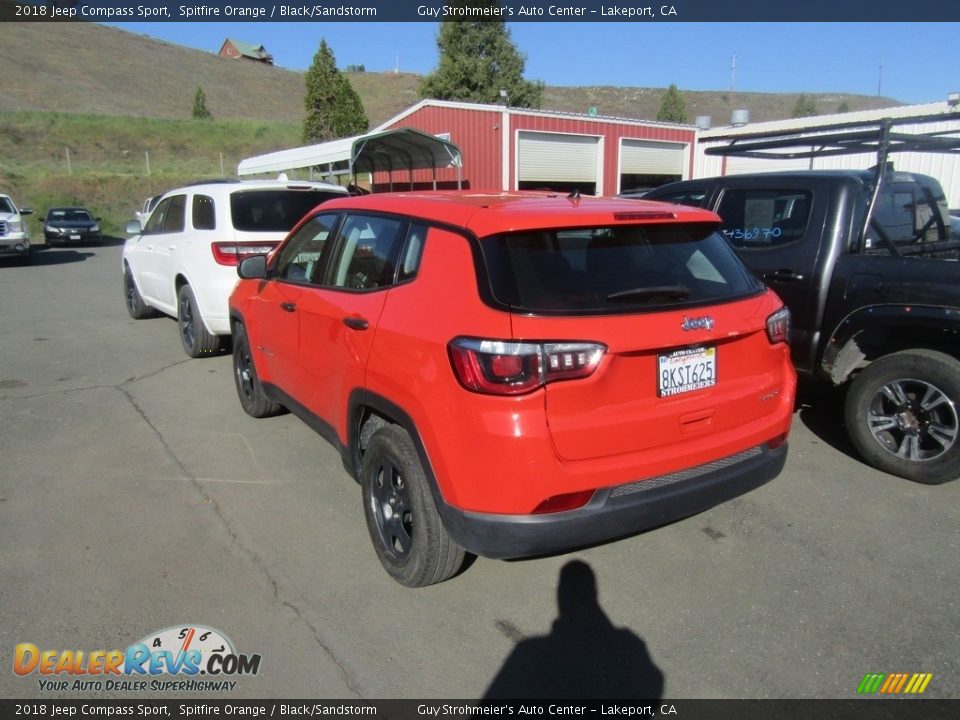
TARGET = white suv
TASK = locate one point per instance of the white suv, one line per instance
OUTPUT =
(183, 262)
(14, 232)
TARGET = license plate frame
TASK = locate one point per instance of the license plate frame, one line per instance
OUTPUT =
(686, 370)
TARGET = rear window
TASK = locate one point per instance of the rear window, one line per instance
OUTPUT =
(624, 268)
(274, 210)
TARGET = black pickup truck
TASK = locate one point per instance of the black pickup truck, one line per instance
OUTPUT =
(867, 265)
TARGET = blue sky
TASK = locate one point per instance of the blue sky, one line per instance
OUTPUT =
(919, 60)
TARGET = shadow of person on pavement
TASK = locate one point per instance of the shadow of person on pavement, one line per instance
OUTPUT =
(584, 656)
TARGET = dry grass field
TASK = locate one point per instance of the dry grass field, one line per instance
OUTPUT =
(89, 68)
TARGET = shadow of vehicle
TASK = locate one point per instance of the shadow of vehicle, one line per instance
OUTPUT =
(112, 241)
(821, 411)
(58, 256)
(584, 656)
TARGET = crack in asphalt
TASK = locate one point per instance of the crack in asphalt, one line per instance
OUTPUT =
(123, 389)
(116, 386)
(225, 522)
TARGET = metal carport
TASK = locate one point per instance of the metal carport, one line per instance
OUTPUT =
(389, 151)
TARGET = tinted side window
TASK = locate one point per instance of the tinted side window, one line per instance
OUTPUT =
(695, 197)
(300, 259)
(412, 252)
(175, 220)
(367, 252)
(204, 215)
(756, 219)
(155, 223)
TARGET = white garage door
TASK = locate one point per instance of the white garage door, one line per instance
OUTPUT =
(555, 157)
(643, 157)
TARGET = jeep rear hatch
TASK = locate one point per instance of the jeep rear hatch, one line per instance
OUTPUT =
(684, 328)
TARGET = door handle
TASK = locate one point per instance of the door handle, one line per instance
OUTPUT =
(288, 307)
(783, 275)
(171, 247)
(356, 322)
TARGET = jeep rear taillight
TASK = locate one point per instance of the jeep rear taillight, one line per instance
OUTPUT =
(498, 367)
(231, 253)
(778, 326)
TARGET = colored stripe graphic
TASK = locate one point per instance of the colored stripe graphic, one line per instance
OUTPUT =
(894, 683)
(871, 683)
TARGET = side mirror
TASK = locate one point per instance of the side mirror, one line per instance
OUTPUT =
(253, 267)
(26, 211)
(133, 228)
(96, 219)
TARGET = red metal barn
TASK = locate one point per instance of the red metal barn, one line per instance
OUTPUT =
(518, 149)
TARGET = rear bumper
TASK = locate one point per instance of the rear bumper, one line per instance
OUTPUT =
(75, 238)
(618, 511)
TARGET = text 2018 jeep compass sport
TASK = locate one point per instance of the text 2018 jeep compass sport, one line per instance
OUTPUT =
(512, 375)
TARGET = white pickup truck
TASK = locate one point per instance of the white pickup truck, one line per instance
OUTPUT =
(14, 231)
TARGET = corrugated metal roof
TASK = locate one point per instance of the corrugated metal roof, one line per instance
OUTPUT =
(812, 123)
(403, 148)
(481, 107)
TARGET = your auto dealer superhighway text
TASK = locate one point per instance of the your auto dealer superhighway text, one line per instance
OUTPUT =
(540, 709)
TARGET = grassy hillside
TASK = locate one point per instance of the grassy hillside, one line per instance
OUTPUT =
(121, 102)
(106, 167)
(89, 68)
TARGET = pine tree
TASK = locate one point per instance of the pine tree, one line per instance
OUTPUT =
(806, 107)
(200, 111)
(477, 61)
(333, 108)
(671, 107)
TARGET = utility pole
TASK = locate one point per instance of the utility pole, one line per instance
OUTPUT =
(733, 78)
(880, 78)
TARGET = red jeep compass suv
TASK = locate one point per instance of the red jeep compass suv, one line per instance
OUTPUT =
(517, 374)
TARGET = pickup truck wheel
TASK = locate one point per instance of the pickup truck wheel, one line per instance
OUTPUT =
(405, 527)
(136, 307)
(197, 341)
(902, 415)
(252, 397)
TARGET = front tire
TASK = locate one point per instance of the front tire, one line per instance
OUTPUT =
(902, 415)
(405, 527)
(253, 399)
(137, 308)
(196, 339)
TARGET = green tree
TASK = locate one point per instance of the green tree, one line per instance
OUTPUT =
(843, 107)
(333, 108)
(477, 61)
(806, 107)
(671, 107)
(200, 111)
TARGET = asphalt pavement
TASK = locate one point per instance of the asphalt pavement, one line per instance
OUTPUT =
(135, 495)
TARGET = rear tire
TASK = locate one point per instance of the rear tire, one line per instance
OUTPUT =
(253, 399)
(406, 530)
(196, 339)
(902, 415)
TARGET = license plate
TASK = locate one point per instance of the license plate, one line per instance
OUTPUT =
(74, 237)
(685, 370)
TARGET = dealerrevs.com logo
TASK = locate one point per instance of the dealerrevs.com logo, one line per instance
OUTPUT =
(183, 652)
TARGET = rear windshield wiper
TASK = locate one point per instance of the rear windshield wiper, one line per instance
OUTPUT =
(673, 292)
